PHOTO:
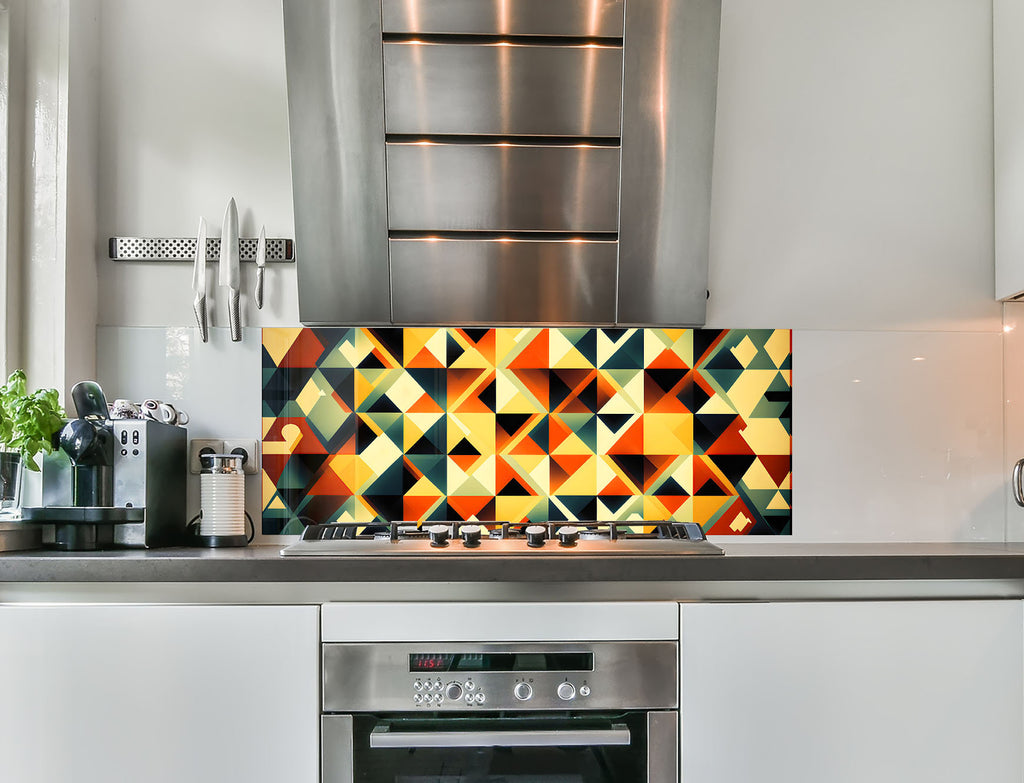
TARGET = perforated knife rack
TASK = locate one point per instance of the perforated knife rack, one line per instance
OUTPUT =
(279, 251)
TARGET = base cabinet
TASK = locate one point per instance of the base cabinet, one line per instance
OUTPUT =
(159, 694)
(849, 692)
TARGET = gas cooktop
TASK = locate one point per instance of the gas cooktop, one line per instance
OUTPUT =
(501, 538)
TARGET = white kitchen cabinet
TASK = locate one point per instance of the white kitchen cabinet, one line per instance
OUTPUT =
(852, 692)
(159, 694)
(1008, 151)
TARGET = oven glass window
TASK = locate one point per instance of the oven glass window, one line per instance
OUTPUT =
(598, 749)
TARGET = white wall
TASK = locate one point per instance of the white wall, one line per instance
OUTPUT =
(852, 202)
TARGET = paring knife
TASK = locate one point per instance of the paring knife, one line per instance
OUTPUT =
(199, 282)
(229, 275)
(261, 262)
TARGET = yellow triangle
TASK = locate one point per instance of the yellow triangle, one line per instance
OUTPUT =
(749, 389)
(277, 340)
(766, 436)
(516, 508)
(778, 503)
(717, 404)
(757, 477)
(424, 489)
(779, 346)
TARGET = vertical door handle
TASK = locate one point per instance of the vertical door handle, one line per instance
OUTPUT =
(1018, 489)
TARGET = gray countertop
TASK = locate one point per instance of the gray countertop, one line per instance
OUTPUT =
(906, 569)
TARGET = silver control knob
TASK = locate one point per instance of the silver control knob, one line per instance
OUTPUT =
(470, 685)
(438, 535)
(566, 691)
(522, 691)
(584, 690)
(479, 698)
(417, 685)
(453, 691)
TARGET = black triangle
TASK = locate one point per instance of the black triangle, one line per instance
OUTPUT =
(615, 502)
(453, 350)
(512, 422)
(671, 487)
(734, 466)
(371, 362)
(558, 391)
(424, 446)
(393, 340)
(284, 385)
(387, 507)
(409, 478)
(710, 487)
(723, 360)
(476, 335)
(665, 379)
(589, 396)
(489, 395)
(514, 489)
(707, 427)
(364, 435)
(632, 465)
(614, 421)
(464, 447)
(692, 394)
(384, 405)
(703, 339)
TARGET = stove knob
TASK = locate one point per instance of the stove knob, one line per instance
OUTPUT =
(568, 535)
(535, 535)
(566, 691)
(470, 535)
(522, 691)
(453, 691)
(438, 535)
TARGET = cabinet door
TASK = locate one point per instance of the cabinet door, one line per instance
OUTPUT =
(161, 694)
(888, 691)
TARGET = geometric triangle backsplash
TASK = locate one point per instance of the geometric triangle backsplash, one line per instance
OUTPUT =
(528, 424)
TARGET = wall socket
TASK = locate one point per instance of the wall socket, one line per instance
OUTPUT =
(248, 447)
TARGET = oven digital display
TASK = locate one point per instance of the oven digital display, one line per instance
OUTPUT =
(502, 662)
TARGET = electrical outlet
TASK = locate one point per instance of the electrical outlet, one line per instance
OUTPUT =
(199, 446)
(250, 451)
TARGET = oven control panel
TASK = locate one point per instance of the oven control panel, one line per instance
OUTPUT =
(520, 676)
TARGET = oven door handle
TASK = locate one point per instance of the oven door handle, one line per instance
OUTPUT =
(382, 737)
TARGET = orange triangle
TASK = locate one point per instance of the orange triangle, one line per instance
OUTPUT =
(535, 355)
(460, 381)
(415, 507)
(304, 352)
(424, 359)
(527, 446)
(731, 441)
(605, 390)
(330, 483)
(425, 404)
(537, 382)
(668, 360)
(631, 441)
(558, 431)
(617, 487)
(465, 461)
(673, 502)
(657, 402)
(468, 506)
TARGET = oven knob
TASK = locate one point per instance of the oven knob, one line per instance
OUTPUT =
(479, 698)
(417, 699)
(522, 691)
(535, 535)
(417, 685)
(438, 535)
(566, 691)
(470, 685)
(453, 692)
(568, 535)
(470, 535)
(584, 690)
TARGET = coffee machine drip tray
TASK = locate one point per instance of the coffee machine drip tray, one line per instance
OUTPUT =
(83, 527)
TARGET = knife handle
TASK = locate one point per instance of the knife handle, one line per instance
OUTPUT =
(199, 306)
(234, 317)
(258, 294)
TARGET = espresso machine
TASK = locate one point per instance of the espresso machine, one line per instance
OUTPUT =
(112, 483)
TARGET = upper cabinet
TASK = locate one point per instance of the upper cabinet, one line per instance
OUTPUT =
(1008, 169)
(486, 162)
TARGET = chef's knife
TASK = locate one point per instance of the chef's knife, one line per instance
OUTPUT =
(229, 275)
(199, 281)
(261, 262)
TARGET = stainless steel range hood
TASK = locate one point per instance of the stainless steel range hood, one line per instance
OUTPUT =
(502, 161)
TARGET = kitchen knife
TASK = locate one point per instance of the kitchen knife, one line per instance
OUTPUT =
(199, 281)
(229, 275)
(261, 262)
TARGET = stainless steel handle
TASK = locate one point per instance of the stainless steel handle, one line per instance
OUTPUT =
(383, 737)
(234, 319)
(1018, 489)
(258, 293)
(199, 306)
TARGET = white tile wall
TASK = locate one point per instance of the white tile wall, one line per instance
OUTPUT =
(218, 383)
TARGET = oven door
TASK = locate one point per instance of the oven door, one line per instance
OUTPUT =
(630, 747)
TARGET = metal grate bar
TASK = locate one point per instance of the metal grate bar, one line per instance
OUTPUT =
(279, 251)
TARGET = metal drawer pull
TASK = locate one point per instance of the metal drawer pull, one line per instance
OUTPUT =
(1018, 489)
(383, 737)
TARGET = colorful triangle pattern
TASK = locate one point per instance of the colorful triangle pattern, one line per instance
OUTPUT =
(528, 424)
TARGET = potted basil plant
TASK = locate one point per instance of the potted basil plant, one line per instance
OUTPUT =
(28, 422)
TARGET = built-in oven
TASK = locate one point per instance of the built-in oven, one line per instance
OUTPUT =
(584, 712)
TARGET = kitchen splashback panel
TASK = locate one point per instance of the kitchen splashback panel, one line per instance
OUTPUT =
(516, 424)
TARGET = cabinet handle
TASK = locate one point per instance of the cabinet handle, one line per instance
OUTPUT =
(1018, 489)
(383, 737)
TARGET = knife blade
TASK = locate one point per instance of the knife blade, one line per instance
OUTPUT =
(229, 275)
(261, 262)
(199, 282)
